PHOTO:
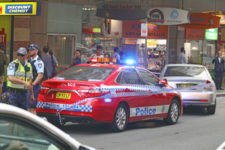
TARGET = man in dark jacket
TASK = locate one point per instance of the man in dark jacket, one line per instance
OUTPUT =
(219, 69)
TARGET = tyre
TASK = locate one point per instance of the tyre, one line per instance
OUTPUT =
(120, 118)
(212, 109)
(173, 113)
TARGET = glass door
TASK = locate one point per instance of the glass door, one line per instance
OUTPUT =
(62, 47)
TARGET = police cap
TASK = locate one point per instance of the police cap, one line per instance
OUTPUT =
(22, 51)
(33, 47)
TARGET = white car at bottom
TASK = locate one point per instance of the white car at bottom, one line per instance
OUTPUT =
(19, 129)
(195, 84)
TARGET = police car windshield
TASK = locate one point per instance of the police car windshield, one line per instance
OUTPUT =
(86, 73)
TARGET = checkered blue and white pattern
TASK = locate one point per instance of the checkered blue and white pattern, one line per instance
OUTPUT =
(80, 108)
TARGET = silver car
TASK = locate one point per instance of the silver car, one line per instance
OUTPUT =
(19, 129)
(195, 84)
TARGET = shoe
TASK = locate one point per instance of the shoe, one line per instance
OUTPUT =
(221, 89)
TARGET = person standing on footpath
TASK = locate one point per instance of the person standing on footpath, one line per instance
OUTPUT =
(182, 58)
(77, 59)
(116, 55)
(219, 69)
(50, 62)
(3, 62)
(19, 80)
(38, 73)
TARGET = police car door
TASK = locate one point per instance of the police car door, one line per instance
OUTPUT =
(155, 99)
(135, 93)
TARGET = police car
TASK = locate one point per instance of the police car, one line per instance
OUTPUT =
(107, 93)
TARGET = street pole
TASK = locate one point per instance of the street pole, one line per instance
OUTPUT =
(146, 53)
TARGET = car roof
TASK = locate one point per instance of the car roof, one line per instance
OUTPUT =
(194, 65)
(17, 112)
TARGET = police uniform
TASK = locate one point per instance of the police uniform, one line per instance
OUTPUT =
(18, 92)
(37, 67)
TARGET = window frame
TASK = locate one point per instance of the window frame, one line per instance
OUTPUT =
(137, 69)
(141, 81)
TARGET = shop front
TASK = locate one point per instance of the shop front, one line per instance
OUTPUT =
(201, 36)
(200, 46)
(154, 46)
(107, 33)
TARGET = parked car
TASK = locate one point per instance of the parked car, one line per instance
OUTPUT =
(19, 129)
(195, 84)
(107, 93)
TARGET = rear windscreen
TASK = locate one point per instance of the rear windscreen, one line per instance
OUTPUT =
(86, 73)
(186, 71)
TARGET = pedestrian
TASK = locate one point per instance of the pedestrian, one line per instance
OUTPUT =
(182, 58)
(122, 58)
(50, 62)
(116, 55)
(19, 81)
(106, 55)
(38, 73)
(219, 69)
(3, 62)
(98, 53)
(77, 59)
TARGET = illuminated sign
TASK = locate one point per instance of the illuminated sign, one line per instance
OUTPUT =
(18, 8)
(96, 30)
(222, 18)
(211, 34)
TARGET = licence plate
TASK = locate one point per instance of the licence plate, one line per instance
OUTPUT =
(63, 95)
(184, 85)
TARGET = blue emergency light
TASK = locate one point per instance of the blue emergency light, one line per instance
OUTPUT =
(130, 62)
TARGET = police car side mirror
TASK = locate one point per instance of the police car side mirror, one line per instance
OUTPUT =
(163, 83)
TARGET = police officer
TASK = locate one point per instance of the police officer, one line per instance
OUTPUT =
(38, 73)
(19, 79)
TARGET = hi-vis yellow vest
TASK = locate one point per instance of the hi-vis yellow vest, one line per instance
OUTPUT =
(21, 74)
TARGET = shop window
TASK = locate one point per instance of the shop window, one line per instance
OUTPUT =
(62, 47)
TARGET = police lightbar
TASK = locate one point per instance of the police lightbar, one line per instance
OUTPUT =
(130, 62)
(103, 60)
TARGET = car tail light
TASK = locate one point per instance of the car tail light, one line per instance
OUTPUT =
(44, 90)
(208, 82)
(93, 92)
(209, 86)
(203, 100)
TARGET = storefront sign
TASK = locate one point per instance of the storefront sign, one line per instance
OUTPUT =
(96, 30)
(195, 34)
(18, 8)
(222, 19)
(121, 10)
(144, 29)
(167, 16)
(132, 29)
(202, 21)
(92, 30)
(211, 34)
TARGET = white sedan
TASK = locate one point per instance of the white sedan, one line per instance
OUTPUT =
(195, 84)
(19, 129)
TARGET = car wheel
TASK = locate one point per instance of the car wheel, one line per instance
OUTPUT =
(120, 118)
(212, 109)
(173, 113)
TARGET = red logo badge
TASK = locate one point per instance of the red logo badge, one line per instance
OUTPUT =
(0, 9)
